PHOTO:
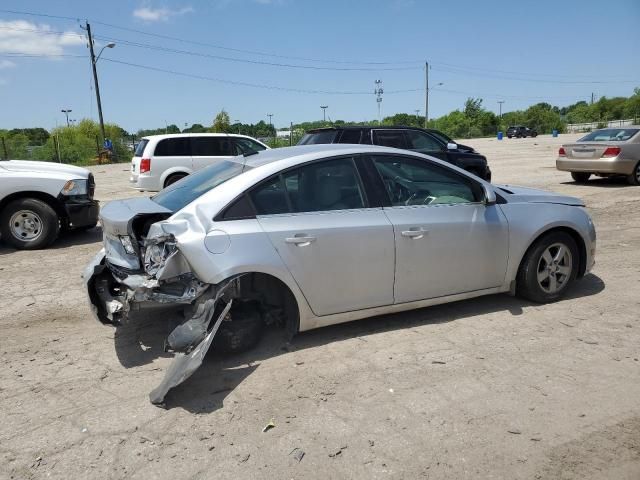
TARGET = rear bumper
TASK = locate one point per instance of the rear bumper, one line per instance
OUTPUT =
(81, 213)
(144, 182)
(613, 165)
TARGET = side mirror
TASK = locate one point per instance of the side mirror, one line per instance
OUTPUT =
(452, 146)
(489, 195)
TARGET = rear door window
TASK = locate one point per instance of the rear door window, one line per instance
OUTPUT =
(315, 138)
(351, 136)
(390, 138)
(173, 147)
(211, 146)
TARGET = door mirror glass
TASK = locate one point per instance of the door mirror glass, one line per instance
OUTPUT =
(489, 195)
(452, 146)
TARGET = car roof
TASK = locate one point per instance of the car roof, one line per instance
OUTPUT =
(304, 153)
(181, 135)
(361, 127)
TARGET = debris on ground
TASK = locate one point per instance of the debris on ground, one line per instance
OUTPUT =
(269, 426)
(337, 451)
(297, 453)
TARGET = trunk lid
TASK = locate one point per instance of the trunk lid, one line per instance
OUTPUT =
(585, 150)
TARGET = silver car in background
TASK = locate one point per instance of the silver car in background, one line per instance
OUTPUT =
(309, 236)
(607, 152)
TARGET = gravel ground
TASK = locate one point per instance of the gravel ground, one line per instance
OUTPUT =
(494, 387)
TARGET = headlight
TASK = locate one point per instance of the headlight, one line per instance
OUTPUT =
(127, 244)
(75, 187)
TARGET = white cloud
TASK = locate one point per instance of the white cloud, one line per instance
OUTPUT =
(149, 14)
(21, 36)
(6, 64)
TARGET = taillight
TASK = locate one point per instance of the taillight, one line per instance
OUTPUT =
(561, 152)
(611, 152)
(145, 165)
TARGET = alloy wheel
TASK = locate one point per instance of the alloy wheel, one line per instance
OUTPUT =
(554, 268)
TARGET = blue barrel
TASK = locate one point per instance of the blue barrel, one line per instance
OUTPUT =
(554, 133)
(499, 135)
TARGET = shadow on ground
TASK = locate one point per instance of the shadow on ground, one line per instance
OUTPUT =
(604, 182)
(65, 240)
(205, 391)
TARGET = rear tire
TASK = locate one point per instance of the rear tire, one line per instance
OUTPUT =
(634, 177)
(242, 332)
(29, 224)
(580, 177)
(548, 268)
(171, 179)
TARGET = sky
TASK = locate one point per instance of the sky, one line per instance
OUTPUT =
(182, 61)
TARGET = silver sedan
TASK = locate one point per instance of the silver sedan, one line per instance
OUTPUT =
(310, 236)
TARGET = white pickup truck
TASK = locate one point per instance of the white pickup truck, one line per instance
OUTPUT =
(39, 199)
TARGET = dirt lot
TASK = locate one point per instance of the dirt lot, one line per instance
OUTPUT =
(488, 388)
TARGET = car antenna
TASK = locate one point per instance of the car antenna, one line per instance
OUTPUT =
(245, 155)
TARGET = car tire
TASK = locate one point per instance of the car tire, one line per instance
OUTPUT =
(580, 177)
(173, 179)
(242, 332)
(29, 224)
(634, 177)
(534, 135)
(548, 268)
(509, 136)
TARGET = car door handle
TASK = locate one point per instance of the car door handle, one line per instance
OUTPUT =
(301, 241)
(414, 233)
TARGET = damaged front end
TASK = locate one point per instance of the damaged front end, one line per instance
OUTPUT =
(141, 267)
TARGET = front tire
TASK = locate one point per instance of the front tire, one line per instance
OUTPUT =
(242, 332)
(634, 177)
(580, 177)
(548, 268)
(29, 224)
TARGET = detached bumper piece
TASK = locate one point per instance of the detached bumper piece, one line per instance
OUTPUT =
(113, 294)
(81, 212)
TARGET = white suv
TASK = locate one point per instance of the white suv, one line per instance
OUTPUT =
(160, 160)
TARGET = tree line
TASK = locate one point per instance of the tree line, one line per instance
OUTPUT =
(81, 143)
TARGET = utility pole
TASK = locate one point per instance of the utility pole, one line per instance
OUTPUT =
(500, 102)
(66, 114)
(95, 78)
(417, 116)
(270, 115)
(378, 91)
(591, 98)
(324, 111)
(426, 94)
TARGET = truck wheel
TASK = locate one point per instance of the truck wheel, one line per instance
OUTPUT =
(29, 224)
(580, 177)
(634, 177)
(242, 332)
(548, 268)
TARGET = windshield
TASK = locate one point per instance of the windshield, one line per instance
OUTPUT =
(140, 147)
(441, 136)
(178, 195)
(610, 135)
(315, 138)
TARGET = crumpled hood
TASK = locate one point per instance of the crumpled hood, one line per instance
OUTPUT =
(117, 215)
(533, 195)
(45, 167)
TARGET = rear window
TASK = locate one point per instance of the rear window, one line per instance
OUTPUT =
(178, 195)
(140, 147)
(315, 138)
(173, 147)
(351, 136)
(610, 135)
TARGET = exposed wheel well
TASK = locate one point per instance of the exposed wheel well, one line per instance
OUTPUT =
(582, 249)
(167, 180)
(42, 196)
(277, 302)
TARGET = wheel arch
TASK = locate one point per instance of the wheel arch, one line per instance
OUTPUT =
(575, 235)
(50, 200)
(173, 171)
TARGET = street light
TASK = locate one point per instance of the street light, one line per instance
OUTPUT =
(108, 45)
(324, 110)
(66, 114)
(238, 122)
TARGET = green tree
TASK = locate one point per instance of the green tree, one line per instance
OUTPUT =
(222, 123)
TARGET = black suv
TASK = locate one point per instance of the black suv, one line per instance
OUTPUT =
(429, 142)
(519, 131)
